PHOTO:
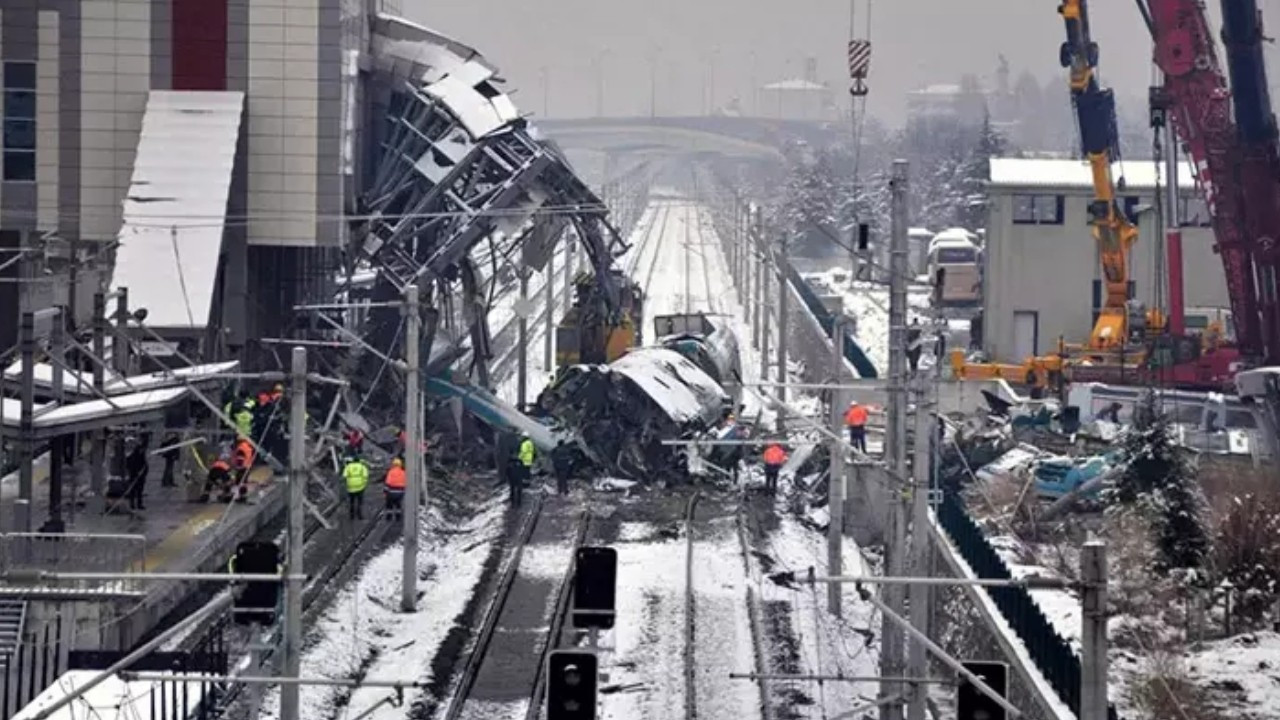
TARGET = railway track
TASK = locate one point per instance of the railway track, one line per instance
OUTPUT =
(355, 544)
(522, 623)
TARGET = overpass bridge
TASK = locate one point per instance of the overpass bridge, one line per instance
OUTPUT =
(738, 137)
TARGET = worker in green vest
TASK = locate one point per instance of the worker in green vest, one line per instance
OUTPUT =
(243, 417)
(356, 474)
(522, 470)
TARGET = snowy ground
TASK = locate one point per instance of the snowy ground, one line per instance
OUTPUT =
(363, 633)
(868, 304)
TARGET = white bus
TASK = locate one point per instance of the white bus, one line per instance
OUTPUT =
(956, 252)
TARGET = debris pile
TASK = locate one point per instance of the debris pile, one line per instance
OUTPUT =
(619, 414)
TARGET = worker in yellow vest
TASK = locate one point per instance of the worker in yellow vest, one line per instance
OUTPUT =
(356, 474)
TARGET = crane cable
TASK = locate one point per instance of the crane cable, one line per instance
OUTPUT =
(858, 104)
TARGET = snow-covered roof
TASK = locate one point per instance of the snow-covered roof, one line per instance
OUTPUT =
(1017, 173)
(54, 420)
(177, 203)
(82, 383)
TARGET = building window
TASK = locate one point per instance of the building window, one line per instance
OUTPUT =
(19, 121)
(1195, 212)
(1037, 209)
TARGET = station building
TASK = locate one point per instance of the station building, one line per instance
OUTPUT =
(218, 141)
(1042, 266)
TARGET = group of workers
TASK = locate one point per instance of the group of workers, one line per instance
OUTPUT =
(775, 456)
(355, 476)
(259, 420)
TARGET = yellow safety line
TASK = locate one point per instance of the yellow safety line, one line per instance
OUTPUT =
(179, 541)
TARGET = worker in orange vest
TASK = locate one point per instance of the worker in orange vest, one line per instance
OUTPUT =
(395, 483)
(774, 458)
(855, 418)
(242, 462)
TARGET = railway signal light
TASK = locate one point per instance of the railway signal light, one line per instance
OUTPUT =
(864, 237)
(594, 587)
(971, 704)
(572, 684)
(256, 603)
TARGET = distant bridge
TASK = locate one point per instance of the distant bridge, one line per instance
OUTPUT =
(757, 138)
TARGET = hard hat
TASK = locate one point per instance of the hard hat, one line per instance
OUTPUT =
(280, 387)
(397, 462)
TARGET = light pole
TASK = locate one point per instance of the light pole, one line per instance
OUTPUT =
(546, 91)
(600, 56)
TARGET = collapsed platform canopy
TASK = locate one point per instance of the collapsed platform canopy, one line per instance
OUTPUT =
(79, 384)
(51, 420)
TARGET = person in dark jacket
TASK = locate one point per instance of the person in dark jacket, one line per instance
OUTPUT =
(135, 464)
(170, 456)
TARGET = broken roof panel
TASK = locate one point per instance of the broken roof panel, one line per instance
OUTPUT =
(114, 384)
(53, 421)
(176, 206)
(476, 113)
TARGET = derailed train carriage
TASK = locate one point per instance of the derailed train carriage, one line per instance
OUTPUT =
(683, 387)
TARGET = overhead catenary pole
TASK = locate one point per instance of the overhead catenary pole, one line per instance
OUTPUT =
(895, 449)
(98, 453)
(26, 431)
(765, 276)
(919, 606)
(120, 363)
(784, 293)
(522, 340)
(549, 312)
(412, 451)
(1093, 638)
(836, 482)
(570, 248)
(756, 267)
(289, 701)
(58, 357)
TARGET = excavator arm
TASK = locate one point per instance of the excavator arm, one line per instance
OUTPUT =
(1114, 233)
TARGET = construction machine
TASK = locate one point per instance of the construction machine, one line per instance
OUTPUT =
(1120, 321)
(1130, 343)
(593, 330)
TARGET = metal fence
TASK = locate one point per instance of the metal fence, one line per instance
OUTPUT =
(852, 351)
(1052, 655)
(36, 662)
(76, 553)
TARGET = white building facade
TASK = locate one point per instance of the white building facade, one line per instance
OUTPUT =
(93, 88)
(1042, 265)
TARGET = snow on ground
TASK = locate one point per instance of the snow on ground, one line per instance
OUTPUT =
(1060, 607)
(1247, 666)
(868, 304)
(646, 663)
(722, 625)
(827, 644)
(363, 624)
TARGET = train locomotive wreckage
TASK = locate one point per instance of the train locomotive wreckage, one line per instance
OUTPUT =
(685, 387)
(466, 199)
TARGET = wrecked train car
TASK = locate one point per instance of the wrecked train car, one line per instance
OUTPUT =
(622, 412)
(709, 343)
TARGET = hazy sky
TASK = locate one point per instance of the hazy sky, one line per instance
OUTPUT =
(916, 42)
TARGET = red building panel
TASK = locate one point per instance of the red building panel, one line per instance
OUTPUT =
(199, 44)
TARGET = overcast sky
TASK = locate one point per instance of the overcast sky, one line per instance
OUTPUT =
(567, 47)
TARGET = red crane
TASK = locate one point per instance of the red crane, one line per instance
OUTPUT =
(1235, 158)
